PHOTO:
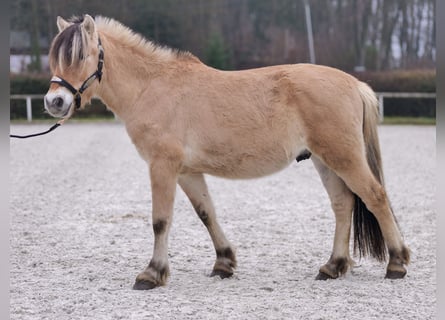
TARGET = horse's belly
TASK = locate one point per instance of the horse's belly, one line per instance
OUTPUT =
(244, 164)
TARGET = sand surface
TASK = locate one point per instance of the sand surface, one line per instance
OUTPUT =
(81, 232)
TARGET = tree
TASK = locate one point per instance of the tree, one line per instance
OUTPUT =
(217, 55)
(36, 64)
(379, 34)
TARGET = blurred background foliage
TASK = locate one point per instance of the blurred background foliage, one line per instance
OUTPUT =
(393, 41)
(377, 34)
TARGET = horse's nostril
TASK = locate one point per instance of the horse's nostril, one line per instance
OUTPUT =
(58, 102)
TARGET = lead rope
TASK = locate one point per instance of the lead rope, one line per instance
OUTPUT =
(58, 124)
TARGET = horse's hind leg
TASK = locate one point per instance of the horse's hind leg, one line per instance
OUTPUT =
(195, 188)
(362, 182)
(354, 170)
(342, 202)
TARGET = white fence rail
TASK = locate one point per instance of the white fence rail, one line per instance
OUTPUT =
(413, 95)
(381, 96)
(28, 98)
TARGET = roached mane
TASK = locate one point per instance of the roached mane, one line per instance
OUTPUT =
(69, 48)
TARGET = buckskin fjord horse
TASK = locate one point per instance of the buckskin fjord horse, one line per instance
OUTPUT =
(187, 119)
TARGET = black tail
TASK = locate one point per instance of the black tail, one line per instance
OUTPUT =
(368, 237)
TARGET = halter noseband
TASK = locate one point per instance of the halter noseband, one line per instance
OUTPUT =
(96, 75)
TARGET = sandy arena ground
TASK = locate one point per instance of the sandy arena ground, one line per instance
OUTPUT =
(81, 232)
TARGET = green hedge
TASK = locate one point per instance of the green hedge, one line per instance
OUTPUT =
(404, 81)
(33, 84)
(400, 80)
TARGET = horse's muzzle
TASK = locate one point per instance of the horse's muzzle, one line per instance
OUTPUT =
(58, 103)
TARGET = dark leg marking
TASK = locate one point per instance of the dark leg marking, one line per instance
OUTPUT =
(225, 253)
(159, 227)
(163, 271)
(202, 214)
(305, 154)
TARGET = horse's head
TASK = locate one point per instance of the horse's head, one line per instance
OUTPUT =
(76, 60)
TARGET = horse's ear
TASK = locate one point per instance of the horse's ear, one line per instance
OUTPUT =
(89, 25)
(62, 24)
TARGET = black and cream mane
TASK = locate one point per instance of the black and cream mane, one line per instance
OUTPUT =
(69, 48)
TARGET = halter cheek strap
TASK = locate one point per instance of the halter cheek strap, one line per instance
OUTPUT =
(96, 75)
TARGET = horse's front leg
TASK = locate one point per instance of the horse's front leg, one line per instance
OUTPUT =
(163, 176)
(195, 188)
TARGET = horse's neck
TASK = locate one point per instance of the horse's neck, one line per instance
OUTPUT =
(127, 72)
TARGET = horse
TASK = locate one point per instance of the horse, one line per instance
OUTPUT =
(187, 120)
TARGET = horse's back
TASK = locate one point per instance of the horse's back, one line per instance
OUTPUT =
(306, 94)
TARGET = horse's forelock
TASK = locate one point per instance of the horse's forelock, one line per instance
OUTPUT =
(76, 19)
(69, 47)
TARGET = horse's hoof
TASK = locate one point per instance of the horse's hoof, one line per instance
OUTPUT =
(224, 264)
(395, 274)
(323, 276)
(221, 273)
(334, 268)
(150, 278)
(397, 260)
(144, 285)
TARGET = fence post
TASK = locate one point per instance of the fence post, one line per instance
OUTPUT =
(28, 108)
(381, 110)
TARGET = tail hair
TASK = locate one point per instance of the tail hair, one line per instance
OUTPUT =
(368, 237)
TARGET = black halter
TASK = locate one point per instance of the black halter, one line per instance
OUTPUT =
(96, 75)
